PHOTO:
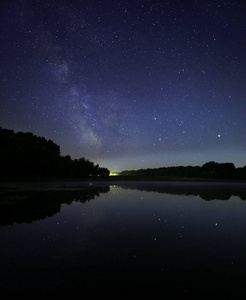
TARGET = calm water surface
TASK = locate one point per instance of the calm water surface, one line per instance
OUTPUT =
(69, 240)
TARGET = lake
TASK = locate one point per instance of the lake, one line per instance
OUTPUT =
(69, 240)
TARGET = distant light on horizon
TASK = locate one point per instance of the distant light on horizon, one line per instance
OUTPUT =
(113, 174)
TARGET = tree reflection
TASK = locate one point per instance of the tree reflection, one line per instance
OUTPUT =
(26, 206)
(206, 191)
(30, 206)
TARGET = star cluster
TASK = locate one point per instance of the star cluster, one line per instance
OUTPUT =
(127, 84)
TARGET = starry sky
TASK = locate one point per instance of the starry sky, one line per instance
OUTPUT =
(127, 84)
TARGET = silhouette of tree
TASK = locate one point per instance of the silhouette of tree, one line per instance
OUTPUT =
(210, 170)
(24, 155)
(216, 170)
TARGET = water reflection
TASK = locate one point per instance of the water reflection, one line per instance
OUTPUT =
(135, 239)
(205, 190)
(28, 203)
(26, 206)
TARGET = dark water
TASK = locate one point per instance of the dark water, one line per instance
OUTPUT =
(168, 239)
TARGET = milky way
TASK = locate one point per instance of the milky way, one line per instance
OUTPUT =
(127, 84)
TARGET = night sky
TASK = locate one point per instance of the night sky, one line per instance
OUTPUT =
(127, 84)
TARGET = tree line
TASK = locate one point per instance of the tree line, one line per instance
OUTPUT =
(210, 170)
(27, 156)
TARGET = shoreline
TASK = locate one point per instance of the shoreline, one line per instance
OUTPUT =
(119, 179)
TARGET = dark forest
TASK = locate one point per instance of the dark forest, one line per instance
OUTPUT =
(27, 156)
(210, 170)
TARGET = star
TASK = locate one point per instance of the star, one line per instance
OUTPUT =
(78, 75)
